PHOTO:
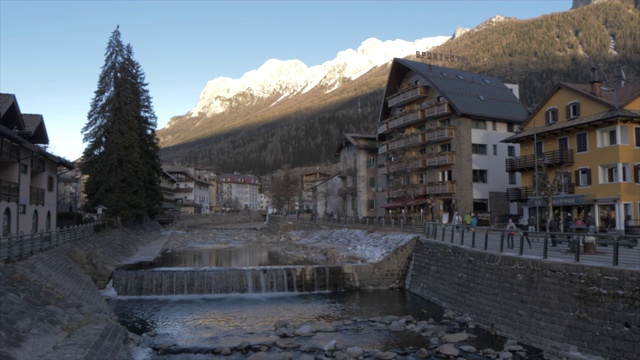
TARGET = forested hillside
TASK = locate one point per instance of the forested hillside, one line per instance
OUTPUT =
(305, 130)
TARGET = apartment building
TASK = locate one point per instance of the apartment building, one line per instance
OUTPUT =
(580, 154)
(357, 168)
(191, 192)
(28, 173)
(439, 143)
(238, 192)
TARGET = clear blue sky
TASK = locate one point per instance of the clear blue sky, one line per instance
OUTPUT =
(51, 52)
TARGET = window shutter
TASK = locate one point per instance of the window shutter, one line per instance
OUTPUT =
(588, 177)
(546, 117)
(568, 111)
(636, 171)
(578, 177)
(578, 110)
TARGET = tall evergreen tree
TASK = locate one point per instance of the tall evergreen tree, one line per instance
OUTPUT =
(121, 157)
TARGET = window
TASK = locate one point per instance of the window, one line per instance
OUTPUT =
(34, 222)
(371, 162)
(445, 175)
(24, 168)
(480, 205)
(480, 176)
(479, 124)
(372, 182)
(480, 149)
(581, 143)
(445, 122)
(637, 136)
(50, 183)
(614, 173)
(512, 178)
(494, 126)
(445, 147)
(636, 172)
(613, 135)
(573, 110)
(371, 204)
(495, 150)
(511, 150)
(551, 116)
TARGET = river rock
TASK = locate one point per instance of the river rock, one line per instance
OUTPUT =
(355, 352)
(423, 353)
(455, 338)
(468, 349)
(397, 326)
(386, 355)
(448, 350)
(304, 330)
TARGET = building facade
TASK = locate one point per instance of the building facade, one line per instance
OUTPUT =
(28, 173)
(439, 143)
(580, 154)
(238, 192)
(357, 168)
(191, 193)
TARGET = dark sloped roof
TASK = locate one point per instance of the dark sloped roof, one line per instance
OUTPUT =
(469, 93)
(613, 114)
(10, 115)
(611, 96)
(35, 129)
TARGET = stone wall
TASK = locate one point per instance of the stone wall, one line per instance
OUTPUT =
(569, 310)
(51, 307)
(190, 220)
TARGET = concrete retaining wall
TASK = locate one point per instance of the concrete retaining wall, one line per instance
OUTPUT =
(569, 310)
(51, 308)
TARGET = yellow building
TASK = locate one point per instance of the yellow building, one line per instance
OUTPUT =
(587, 155)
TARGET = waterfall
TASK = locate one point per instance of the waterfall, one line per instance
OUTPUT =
(205, 281)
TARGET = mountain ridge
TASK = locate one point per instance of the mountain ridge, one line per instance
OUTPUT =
(300, 129)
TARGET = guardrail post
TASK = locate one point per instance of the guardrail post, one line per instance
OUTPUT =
(443, 231)
(486, 239)
(435, 231)
(616, 251)
(545, 247)
(452, 234)
(502, 241)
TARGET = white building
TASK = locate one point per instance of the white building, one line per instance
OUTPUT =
(28, 173)
(238, 192)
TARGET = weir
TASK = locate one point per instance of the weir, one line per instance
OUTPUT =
(211, 281)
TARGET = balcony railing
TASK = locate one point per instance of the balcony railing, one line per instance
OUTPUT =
(37, 163)
(36, 196)
(9, 191)
(437, 188)
(420, 162)
(440, 134)
(410, 140)
(526, 192)
(414, 116)
(9, 149)
(549, 158)
(437, 110)
(407, 96)
(448, 158)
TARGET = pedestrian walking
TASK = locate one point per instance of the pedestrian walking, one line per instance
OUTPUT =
(511, 231)
(523, 224)
(554, 227)
(591, 224)
(457, 220)
(474, 222)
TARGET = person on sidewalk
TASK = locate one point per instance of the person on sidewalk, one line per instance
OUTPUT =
(511, 231)
(523, 224)
(554, 227)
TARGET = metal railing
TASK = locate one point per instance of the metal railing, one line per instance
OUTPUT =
(22, 246)
(608, 249)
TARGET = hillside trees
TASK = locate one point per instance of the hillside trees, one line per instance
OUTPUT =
(121, 159)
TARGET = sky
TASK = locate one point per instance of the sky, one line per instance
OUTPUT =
(52, 52)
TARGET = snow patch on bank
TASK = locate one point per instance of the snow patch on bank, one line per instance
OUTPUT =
(369, 246)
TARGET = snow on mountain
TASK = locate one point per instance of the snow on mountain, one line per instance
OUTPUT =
(290, 77)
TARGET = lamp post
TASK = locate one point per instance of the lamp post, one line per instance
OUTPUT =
(535, 173)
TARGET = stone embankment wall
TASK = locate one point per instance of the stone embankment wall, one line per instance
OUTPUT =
(51, 308)
(190, 220)
(569, 310)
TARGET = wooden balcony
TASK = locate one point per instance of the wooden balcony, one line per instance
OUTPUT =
(407, 141)
(440, 134)
(437, 109)
(9, 191)
(37, 164)
(9, 150)
(526, 192)
(417, 190)
(407, 96)
(550, 158)
(421, 162)
(36, 196)
(443, 159)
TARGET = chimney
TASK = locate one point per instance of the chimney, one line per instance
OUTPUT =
(596, 83)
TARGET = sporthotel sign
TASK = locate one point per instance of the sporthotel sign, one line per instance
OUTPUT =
(442, 57)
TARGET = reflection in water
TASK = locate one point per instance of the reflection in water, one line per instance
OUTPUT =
(192, 321)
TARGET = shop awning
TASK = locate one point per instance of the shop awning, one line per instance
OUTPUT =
(401, 203)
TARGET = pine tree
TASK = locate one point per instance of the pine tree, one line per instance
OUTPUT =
(121, 157)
